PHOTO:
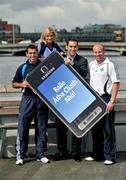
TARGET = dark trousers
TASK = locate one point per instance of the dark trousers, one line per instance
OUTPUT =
(103, 134)
(32, 107)
(62, 140)
(76, 145)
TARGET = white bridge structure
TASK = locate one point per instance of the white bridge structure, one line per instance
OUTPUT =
(19, 49)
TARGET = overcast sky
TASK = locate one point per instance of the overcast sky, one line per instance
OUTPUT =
(34, 15)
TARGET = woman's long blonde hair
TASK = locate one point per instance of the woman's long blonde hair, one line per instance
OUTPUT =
(46, 30)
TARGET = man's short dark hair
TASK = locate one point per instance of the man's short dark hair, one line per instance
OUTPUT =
(71, 39)
(31, 46)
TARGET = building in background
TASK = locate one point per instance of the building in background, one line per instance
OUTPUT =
(6, 28)
(89, 33)
(95, 33)
(8, 31)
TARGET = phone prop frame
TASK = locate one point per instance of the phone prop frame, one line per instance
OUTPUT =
(67, 94)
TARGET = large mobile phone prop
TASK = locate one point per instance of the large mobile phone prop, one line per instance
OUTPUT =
(67, 94)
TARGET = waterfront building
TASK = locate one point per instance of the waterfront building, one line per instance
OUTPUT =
(89, 33)
(8, 31)
(95, 33)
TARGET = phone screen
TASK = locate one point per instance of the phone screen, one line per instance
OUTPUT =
(66, 93)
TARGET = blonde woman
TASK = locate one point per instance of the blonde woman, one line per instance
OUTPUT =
(46, 46)
(48, 43)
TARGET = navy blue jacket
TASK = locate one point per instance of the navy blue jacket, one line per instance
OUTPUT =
(81, 66)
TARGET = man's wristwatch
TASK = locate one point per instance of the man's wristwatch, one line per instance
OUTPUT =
(112, 102)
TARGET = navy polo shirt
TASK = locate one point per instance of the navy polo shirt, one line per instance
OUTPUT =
(19, 76)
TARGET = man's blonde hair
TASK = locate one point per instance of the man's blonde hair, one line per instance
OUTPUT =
(99, 45)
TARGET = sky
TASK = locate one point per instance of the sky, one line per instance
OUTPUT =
(34, 15)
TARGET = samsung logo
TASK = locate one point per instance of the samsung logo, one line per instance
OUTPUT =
(47, 72)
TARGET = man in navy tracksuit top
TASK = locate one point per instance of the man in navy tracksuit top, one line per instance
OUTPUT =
(31, 106)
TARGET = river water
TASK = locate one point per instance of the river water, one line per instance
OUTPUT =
(9, 64)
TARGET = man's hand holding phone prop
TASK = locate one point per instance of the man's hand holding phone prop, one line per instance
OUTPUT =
(67, 94)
